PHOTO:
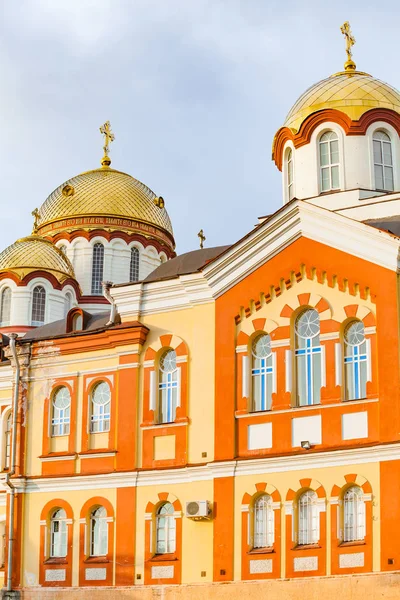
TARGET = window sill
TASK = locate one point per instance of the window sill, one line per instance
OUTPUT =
(178, 423)
(96, 559)
(306, 547)
(163, 558)
(60, 455)
(350, 544)
(61, 560)
(97, 451)
(261, 551)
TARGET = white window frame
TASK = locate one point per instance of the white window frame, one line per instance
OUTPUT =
(98, 525)
(35, 322)
(169, 529)
(353, 515)
(134, 250)
(307, 525)
(95, 282)
(169, 384)
(60, 416)
(100, 413)
(5, 322)
(263, 522)
(383, 165)
(330, 164)
(62, 532)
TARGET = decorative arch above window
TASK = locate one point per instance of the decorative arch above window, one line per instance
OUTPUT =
(309, 357)
(134, 264)
(383, 161)
(97, 268)
(329, 161)
(38, 305)
(5, 307)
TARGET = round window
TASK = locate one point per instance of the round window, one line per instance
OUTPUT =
(307, 324)
(168, 361)
(62, 398)
(101, 393)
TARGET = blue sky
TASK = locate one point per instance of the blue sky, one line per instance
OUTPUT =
(194, 90)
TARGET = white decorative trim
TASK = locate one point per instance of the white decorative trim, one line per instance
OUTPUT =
(274, 373)
(181, 359)
(280, 343)
(110, 378)
(288, 371)
(245, 508)
(238, 350)
(245, 376)
(331, 335)
(95, 454)
(334, 500)
(323, 366)
(178, 386)
(148, 363)
(298, 410)
(57, 458)
(338, 364)
(369, 369)
(164, 425)
(370, 330)
(153, 392)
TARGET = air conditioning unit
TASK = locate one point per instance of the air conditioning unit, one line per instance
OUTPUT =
(198, 510)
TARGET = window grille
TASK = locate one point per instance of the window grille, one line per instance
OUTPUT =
(97, 268)
(98, 532)
(263, 522)
(134, 266)
(308, 519)
(60, 421)
(100, 410)
(165, 529)
(383, 161)
(308, 355)
(355, 361)
(353, 515)
(329, 161)
(5, 307)
(58, 534)
(262, 373)
(168, 387)
(38, 305)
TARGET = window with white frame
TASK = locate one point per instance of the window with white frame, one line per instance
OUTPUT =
(100, 408)
(353, 515)
(134, 266)
(98, 532)
(5, 307)
(289, 174)
(329, 161)
(309, 358)
(38, 305)
(307, 519)
(97, 268)
(168, 387)
(7, 442)
(165, 529)
(383, 161)
(60, 421)
(262, 373)
(356, 361)
(58, 534)
(263, 522)
(68, 302)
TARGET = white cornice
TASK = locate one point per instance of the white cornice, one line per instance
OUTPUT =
(295, 220)
(211, 471)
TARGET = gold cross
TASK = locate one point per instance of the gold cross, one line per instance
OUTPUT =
(202, 238)
(35, 214)
(350, 41)
(108, 138)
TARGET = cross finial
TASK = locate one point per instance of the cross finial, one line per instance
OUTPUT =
(108, 138)
(35, 215)
(202, 238)
(349, 65)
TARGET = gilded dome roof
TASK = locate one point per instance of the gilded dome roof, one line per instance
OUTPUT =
(34, 253)
(353, 93)
(104, 198)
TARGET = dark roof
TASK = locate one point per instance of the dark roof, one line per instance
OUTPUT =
(390, 224)
(59, 328)
(187, 263)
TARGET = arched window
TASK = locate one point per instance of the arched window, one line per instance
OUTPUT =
(97, 268)
(263, 522)
(98, 532)
(289, 174)
(68, 302)
(58, 534)
(383, 161)
(165, 529)
(355, 361)
(353, 515)
(38, 305)
(168, 387)
(61, 412)
(134, 266)
(100, 409)
(262, 373)
(308, 354)
(307, 519)
(77, 322)
(5, 307)
(329, 161)
(7, 442)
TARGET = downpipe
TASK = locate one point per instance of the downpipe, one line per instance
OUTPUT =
(106, 293)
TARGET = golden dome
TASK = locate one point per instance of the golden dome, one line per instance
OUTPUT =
(351, 92)
(33, 253)
(105, 199)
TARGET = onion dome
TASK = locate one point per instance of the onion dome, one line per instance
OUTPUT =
(352, 92)
(34, 253)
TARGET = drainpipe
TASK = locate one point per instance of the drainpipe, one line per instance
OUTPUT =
(106, 293)
(11, 472)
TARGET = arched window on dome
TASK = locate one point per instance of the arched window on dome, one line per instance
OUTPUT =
(68, 302)
(383, 161)
(309, 358)
(329, 161)
(38, 305)
(5, 307)
(289, 174)
(356, 361)
(63, 249)
(97, 268)
(134, 266)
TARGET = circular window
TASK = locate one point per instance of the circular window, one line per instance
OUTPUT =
(355, 334)
(62, 398)
(101, 393)
(168, 361)
(262, 346)
(307, 325)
